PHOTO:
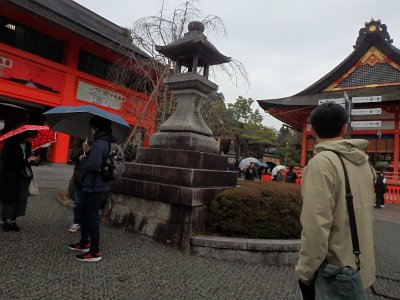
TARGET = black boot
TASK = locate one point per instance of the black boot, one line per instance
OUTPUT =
(5, 226)
(13, 226)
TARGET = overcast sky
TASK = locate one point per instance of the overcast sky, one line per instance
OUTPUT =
(285, 45)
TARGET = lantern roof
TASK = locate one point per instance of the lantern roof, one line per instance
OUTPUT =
(193, 43)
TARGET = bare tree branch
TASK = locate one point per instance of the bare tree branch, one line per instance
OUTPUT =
(146, 74)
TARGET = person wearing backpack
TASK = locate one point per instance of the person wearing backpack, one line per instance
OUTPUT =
(93, 186)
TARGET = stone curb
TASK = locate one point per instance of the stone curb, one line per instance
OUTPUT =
(265, 251)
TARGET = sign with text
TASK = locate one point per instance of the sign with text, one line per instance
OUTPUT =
(374, 124)
(341, 101)
(366, 111)
(98, 95)
(366, 99)
(6, 62)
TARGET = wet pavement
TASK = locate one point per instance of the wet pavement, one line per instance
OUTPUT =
(36, 264)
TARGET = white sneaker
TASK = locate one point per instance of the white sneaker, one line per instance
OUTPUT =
(382, 205)
(74, 228)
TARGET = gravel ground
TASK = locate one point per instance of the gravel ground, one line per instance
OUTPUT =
(36, 264)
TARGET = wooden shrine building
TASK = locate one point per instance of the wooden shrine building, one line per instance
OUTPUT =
(56, 53)
(369, 79)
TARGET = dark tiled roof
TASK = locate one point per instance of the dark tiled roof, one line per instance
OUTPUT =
(74, 16)
(381, 40)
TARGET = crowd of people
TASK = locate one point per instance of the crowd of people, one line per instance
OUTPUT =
(254, 172)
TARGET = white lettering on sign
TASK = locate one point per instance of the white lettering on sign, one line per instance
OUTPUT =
(366, 111)
(338, 101)
(366, 99)
(6, 62)
(374, 124)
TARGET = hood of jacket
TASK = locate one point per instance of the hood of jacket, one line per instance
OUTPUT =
(104, 135)
(349, 149)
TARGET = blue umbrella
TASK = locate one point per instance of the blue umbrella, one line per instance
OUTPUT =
(75, 120)
(262, 165)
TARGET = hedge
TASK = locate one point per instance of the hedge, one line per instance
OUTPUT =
(257, 209)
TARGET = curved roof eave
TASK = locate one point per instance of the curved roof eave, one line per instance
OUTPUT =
(388, 93)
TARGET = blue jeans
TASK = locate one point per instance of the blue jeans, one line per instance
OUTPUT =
(77, 199)
(89, 218)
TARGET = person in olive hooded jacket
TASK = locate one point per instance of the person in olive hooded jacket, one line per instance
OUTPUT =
(326, 232)
(93, 185)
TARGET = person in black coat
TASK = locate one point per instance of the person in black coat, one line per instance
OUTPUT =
(15, 177)
(93, 186)
(291, 175)
(380, 190)
(251, 172)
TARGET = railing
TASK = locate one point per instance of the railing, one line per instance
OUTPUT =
(392, 194)
(265, 177)
(392, 178)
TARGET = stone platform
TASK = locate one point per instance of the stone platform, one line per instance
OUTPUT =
(165, 193)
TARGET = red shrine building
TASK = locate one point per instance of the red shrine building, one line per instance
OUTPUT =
(56, 53)
(367, 83)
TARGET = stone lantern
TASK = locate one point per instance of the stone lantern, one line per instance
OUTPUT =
(165, 193)
(186, 129)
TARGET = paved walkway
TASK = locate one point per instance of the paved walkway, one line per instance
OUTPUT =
(36, 264)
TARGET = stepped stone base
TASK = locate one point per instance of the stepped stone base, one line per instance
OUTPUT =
(166, 192)
(184, 141)
(165, 222)
(169, 193)
(181, 158)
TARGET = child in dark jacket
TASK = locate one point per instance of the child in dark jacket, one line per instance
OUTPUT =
(78, 156)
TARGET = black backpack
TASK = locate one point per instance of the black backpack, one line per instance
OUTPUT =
(114, 165)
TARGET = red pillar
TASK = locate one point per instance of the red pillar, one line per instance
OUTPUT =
(304, 144)
(396, 144)
(59, 150)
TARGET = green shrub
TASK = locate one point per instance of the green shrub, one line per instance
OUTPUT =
(259, 209)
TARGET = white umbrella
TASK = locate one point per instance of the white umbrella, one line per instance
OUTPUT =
(277, 169)
(246, 162)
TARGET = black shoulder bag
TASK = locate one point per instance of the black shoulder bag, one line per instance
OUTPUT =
(333, 282)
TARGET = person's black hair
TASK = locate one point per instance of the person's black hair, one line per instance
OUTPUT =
(328, 119)
(100, 123)
(27, 134)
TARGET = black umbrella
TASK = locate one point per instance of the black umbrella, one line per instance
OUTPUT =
(13, 115)
(75, 120)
